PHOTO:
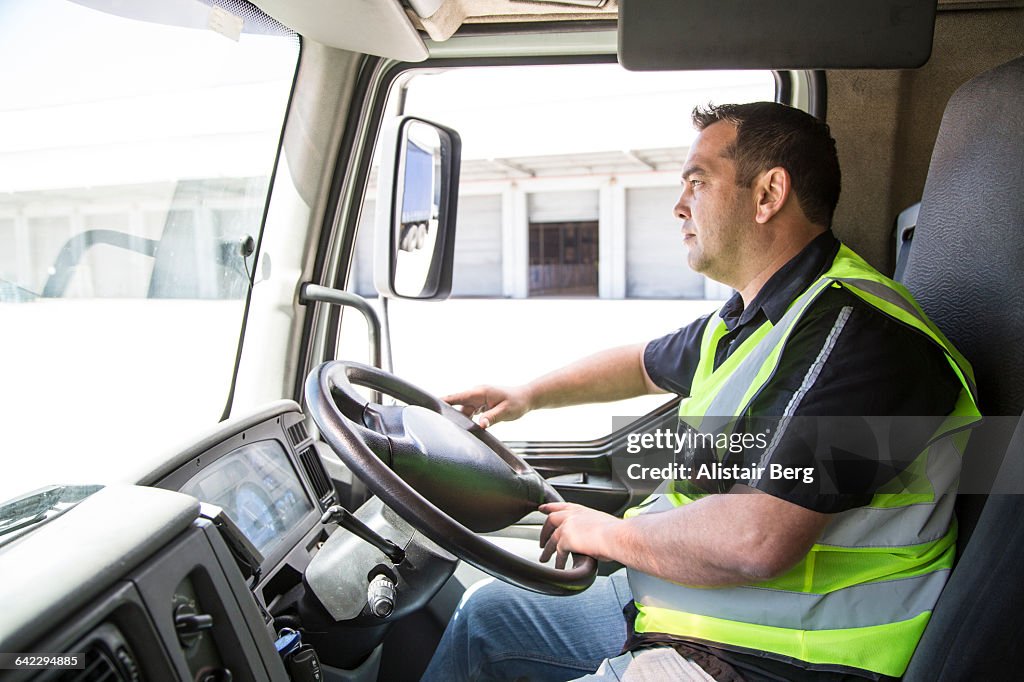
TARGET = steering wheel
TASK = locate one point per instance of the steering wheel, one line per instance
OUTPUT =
(438, 470)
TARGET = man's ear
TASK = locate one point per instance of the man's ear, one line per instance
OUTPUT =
(771, 192)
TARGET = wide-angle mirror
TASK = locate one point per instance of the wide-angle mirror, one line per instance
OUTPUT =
(415, 219)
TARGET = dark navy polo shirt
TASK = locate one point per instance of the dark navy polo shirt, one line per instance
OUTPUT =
(844, 359)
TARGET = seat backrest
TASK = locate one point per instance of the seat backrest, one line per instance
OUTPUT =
(906, 221)
(966, 269)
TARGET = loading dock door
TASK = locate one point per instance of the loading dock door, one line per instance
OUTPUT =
(563, 258)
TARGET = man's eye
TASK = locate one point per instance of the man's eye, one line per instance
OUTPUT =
(696, 183)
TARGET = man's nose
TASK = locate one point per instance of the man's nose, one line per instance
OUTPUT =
(682, 208)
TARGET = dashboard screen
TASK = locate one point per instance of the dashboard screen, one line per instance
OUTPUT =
(258, 488)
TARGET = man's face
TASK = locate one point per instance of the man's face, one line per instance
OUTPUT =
(717, 214)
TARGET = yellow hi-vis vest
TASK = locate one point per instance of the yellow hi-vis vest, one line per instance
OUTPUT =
(863, 594)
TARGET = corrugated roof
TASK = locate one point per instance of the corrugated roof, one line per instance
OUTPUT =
(569, 165)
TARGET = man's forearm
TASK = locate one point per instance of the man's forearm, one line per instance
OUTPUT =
(614, 374)
(716, 541)
(669, 545)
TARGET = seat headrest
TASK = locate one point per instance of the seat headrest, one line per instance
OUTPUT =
(967, 265)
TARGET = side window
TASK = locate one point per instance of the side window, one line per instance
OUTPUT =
(566, 243)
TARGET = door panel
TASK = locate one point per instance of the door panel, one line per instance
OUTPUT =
(595, 474)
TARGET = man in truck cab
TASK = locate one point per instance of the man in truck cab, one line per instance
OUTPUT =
(825, 576)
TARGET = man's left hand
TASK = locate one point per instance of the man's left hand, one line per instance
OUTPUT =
(578, 529)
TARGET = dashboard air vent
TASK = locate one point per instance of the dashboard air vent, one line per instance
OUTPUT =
(297, 433)
(318, 478)
(99, 667)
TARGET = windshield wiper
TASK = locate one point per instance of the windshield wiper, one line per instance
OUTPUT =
(12, 292)
(41, 505)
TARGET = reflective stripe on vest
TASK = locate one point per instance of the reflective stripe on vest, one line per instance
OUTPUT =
(863, 594)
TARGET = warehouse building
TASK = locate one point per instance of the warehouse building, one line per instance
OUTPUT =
(595, 225)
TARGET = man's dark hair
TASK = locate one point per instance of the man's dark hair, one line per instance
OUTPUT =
(769, 134)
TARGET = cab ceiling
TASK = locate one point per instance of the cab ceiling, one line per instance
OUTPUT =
(390, 28)
(397, 28)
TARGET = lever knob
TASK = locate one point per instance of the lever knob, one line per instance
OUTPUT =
(190, 625)
(380, 596)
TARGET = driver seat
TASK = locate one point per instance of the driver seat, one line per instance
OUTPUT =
(965, 269)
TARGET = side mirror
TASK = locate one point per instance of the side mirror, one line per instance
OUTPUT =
(417, 198)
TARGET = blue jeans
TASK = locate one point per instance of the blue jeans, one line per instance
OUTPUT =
(500, 632)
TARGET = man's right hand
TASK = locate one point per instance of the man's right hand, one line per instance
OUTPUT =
(614, 374)
(493, 404)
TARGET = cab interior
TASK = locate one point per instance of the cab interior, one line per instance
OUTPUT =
(277, 510)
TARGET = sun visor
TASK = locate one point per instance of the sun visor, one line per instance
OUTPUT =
(754, 34)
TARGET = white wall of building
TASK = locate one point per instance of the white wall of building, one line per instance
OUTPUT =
(478, 253)
(655, 257)
(563, 206)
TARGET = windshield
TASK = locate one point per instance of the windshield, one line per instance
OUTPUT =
(135, 161)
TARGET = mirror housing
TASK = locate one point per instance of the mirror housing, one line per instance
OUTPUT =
(417, 200)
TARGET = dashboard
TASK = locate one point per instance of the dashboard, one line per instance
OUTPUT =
(258, 488)
(195, 572)
(267, 476)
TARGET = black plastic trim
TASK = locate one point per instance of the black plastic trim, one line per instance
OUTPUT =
(535, 27)
(783, 86)
(118, 622)
(817, 96)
